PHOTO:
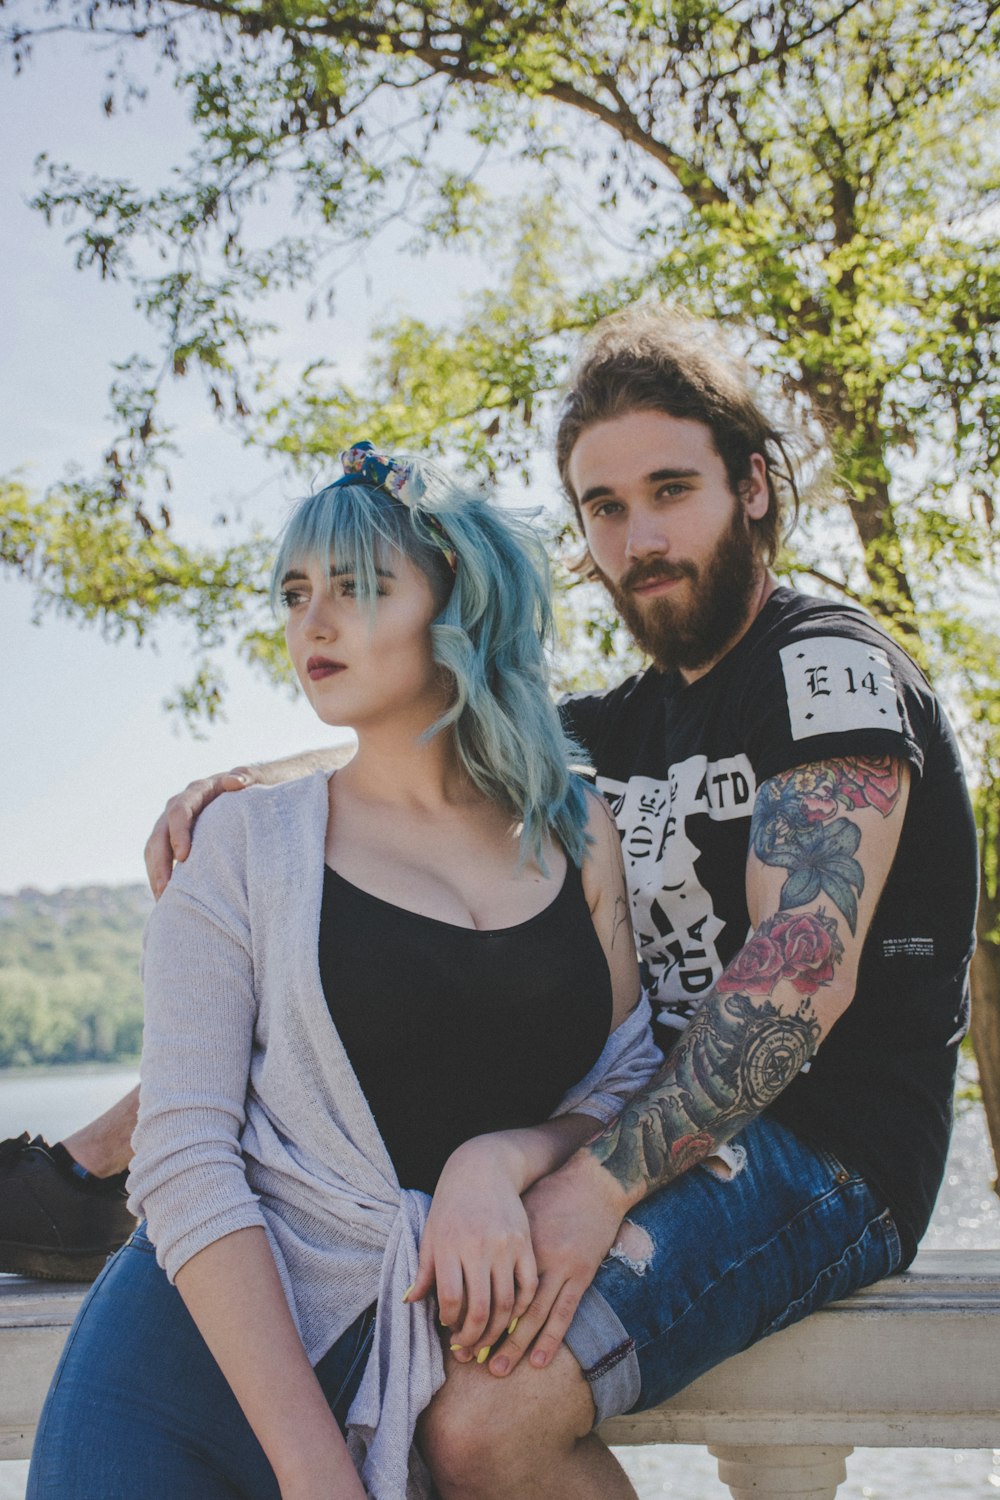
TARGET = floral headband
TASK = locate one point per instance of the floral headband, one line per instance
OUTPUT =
(362, 465)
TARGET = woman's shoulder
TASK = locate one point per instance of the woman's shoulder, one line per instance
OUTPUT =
(241, 831)
(234, 814)
(603, 849)
(601, 824)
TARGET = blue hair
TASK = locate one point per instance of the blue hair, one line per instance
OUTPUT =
(490, 634)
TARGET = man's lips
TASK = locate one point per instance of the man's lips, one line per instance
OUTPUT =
(654, 586)
(648, 584)
(318, 667)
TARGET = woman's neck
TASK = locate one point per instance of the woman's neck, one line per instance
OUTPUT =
(402, 768)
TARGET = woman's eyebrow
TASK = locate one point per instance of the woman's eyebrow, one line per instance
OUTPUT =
(294, 576)
(350, 572)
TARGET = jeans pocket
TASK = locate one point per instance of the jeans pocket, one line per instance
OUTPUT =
(139, 1240)
(875, 1254)
(839, 1172)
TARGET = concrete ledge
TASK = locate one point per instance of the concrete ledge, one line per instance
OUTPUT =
(911, 1362)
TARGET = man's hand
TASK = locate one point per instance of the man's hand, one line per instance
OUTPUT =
(575, 1215)
(170, 839)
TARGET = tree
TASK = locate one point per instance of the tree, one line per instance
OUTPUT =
(818, 175)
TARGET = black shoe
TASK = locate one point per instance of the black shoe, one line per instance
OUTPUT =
(54, 1223)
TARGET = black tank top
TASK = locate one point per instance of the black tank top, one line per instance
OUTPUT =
(453, 1031)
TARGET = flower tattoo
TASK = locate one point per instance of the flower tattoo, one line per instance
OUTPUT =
(797, 825)
(803, 948)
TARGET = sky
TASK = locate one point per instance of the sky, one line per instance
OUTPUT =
(87, 754)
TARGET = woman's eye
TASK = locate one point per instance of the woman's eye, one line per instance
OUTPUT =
(348, 589)
(606, 508)
(291, 597)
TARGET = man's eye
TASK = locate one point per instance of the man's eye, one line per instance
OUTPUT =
(606, 508)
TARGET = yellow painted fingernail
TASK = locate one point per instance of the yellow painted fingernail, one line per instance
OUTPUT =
(406, 1294)
(455, 1348)
(483, 1355)
(513, 1324)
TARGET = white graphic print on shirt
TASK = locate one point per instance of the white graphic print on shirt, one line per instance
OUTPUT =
(675, 924)
(835, 684)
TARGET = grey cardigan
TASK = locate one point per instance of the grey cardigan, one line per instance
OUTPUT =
(250, 1112)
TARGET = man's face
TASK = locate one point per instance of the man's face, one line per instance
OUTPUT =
(668, 536)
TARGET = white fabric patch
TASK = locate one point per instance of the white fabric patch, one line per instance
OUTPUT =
(836, 684)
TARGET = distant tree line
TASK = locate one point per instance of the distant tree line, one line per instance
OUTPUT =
(69, 975)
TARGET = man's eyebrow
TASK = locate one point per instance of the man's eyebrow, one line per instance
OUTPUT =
(599, 491)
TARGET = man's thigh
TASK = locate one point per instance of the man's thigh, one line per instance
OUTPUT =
(712, 1264)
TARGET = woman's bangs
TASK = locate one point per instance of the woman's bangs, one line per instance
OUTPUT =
(345, 528)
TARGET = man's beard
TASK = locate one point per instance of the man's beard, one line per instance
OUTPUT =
(690, 635)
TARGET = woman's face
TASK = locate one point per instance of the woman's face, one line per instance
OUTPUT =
(354, 671)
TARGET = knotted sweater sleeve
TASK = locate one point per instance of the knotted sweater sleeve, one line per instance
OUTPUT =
(187, 1176)
(629, 1060)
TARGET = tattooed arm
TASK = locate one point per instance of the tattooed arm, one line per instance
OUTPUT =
(822, 841)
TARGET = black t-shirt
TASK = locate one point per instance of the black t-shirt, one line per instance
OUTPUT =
(680, 765)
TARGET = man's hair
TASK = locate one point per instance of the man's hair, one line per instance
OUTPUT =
(647, 359)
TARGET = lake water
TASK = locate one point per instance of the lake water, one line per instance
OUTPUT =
(967, 1216)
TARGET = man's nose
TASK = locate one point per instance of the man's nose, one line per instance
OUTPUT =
(647, 536)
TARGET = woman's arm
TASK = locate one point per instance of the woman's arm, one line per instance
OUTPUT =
(232, 1290)
(476, 1246)
(604, 887)
(188, 1174)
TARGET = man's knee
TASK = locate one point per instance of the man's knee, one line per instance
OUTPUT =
(476, 1422)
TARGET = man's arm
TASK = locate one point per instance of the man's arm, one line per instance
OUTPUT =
(822, 842)
(170, 839)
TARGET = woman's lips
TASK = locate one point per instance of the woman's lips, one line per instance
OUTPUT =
(318, 667)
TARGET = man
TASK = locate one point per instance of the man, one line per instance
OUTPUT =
(802, 872)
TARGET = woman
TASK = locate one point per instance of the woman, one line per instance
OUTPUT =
(464, 896)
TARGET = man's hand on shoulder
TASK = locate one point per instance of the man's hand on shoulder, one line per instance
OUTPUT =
(170, 839)
(575, 1215)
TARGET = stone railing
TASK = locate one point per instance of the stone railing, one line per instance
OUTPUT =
(913, 1362)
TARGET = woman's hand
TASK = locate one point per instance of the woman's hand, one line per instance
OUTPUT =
(476, 1248)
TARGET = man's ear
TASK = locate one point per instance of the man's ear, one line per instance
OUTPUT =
(754, 493)
(582, 565)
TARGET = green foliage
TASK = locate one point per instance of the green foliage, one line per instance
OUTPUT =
(69, 975)
(818, 176)
(93, 554)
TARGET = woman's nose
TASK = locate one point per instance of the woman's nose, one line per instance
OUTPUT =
(320, 622)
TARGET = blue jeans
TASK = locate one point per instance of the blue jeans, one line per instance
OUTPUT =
(139, 1408)
(726, 1262)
